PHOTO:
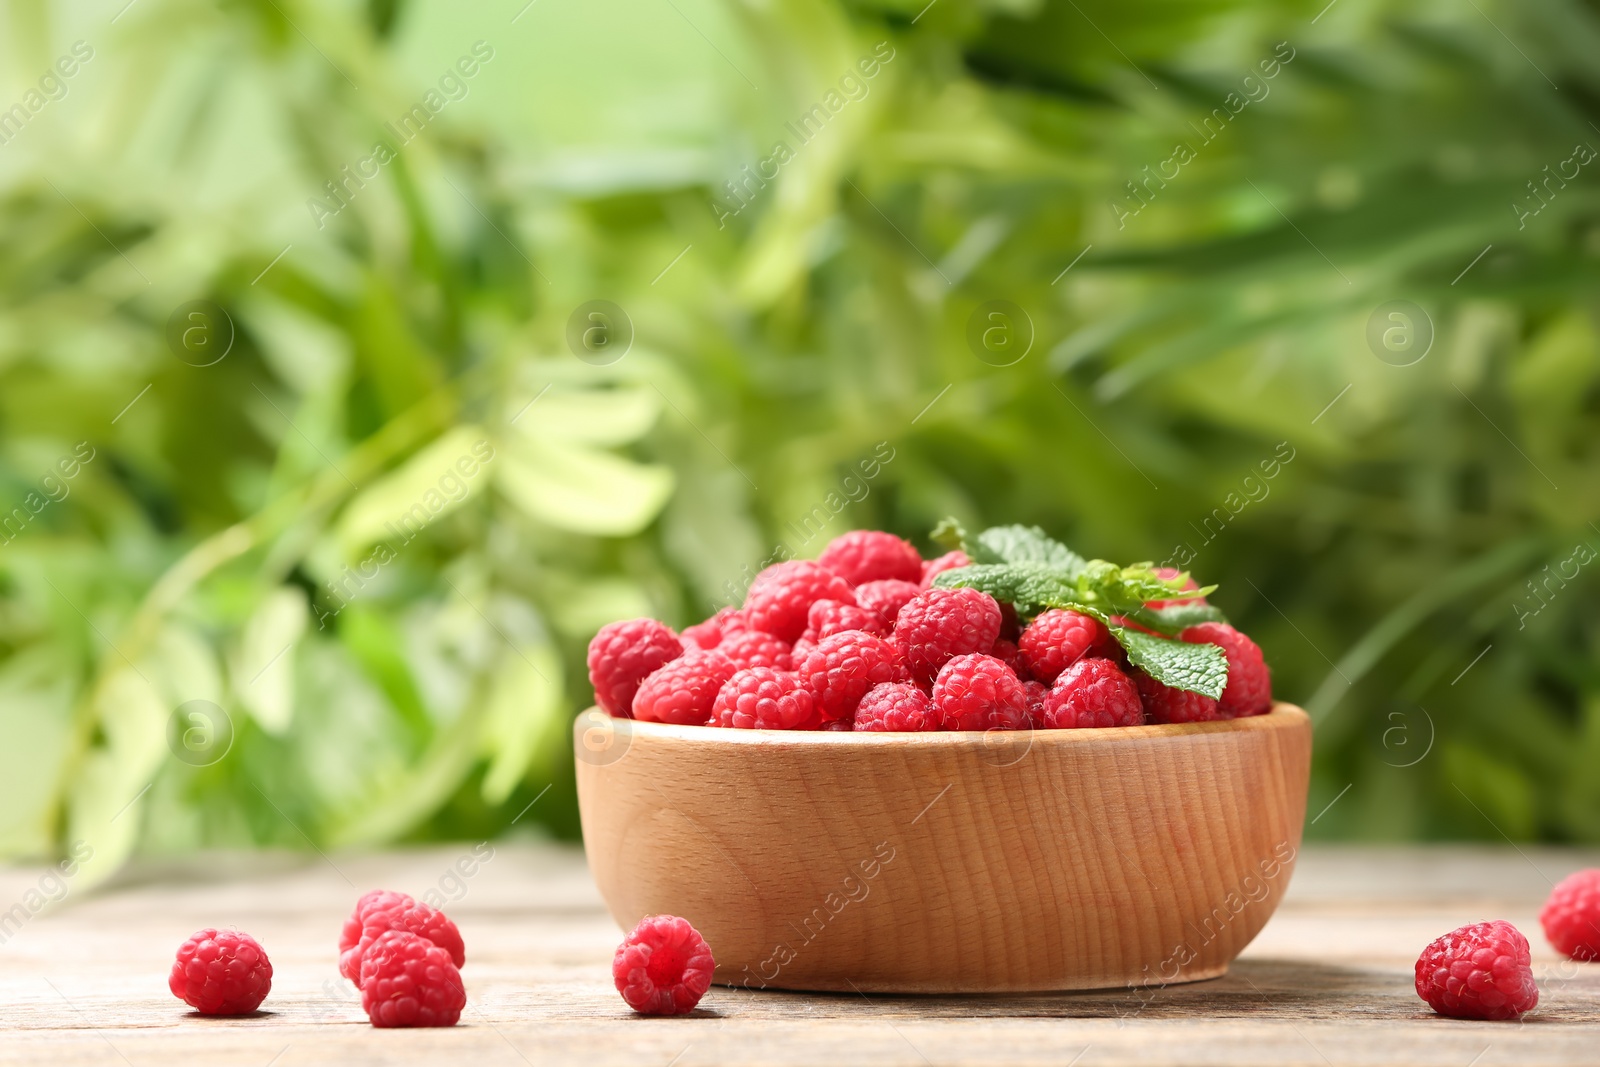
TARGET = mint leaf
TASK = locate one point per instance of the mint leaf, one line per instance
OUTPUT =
(1026, 544)
(1198, 668)
(952, 535)
(1031, 587)
(1176, 618)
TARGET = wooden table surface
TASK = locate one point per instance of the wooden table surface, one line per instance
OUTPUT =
(1327, 982)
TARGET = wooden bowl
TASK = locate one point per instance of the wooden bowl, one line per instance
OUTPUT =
(949, 862)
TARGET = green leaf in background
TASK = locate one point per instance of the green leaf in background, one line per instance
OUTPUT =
(581, 489)
(431, 484)
(1197, 668)
(261, 670)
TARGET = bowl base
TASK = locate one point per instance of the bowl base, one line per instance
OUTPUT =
(898, 988)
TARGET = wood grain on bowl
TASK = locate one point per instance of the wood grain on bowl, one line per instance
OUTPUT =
(950, 862)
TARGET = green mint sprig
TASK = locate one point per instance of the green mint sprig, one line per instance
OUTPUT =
(1025, 567)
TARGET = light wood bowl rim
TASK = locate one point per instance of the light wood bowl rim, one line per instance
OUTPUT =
(1283, 716)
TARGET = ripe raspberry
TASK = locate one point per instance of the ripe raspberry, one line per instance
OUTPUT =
(1164, 704)
(947, 562)
(886, 598)
(1093, 693)
(1249, 688)
(894, 706)
(1008, 653)
(871, 556)
(710, 634)
(1037, 693)
(941, 623)
(408, 980)
(663, 967)
(978, 692)
(1571, 917)
(682, 691)
(1059, 638)
(380, 911)
(841, 669)
(761, 698)
(221, 972)
(837, 726)
(754, 648)
(782, 594)
(622, 655)
(1480, 971)
(829, 617)
(1170, 573)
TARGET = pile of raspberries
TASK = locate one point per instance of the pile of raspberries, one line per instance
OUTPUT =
(860, 639)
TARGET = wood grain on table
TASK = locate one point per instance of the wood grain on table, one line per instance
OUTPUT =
(1327, 982)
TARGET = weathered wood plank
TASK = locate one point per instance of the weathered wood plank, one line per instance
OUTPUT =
(1327, 982)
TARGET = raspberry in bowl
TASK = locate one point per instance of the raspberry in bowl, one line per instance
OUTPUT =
(944, 820)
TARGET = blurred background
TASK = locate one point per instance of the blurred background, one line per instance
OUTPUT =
(359, 358)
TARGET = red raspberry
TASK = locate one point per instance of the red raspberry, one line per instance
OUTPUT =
(1058, 638)
(1571, 917)
(710, 634)
(1093, 693)
(1037, 693)
(947, 562)
(1164, 704)
(829, 617)
(622, 655)
(408, 980)
(1008, 653)
(872, 556)
(894, 706)
(761, 698)
(1249, 688)
(682, 691)
(782, 594)
(754, 648)
(1480, 971)
(941, 623)
(886, 598)
(380, 911)
(837, 726)
(1170, 573)
(978, 692)
(221, 972)
(664, 967)
(841, 669)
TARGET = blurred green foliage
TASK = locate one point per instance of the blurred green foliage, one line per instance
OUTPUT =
(1197, 271)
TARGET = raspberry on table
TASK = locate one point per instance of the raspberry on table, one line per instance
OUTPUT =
(978, 692)
(663, 967)
(1059, 638)
(829, 617)
(221, 972)
(1164, 704)
(407, 980)
(1093, 693)
(947, 562)
(894, 706)
(755, 648)
(783, 593)
(1481, 971)
(380, 911)
(1249, 688)
(886, 598)
(1571, 915)
(841, 668)
(713, 631)
(683, 690)
(941, 623)
(622, 655)
(762, 698)
(872, 556)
